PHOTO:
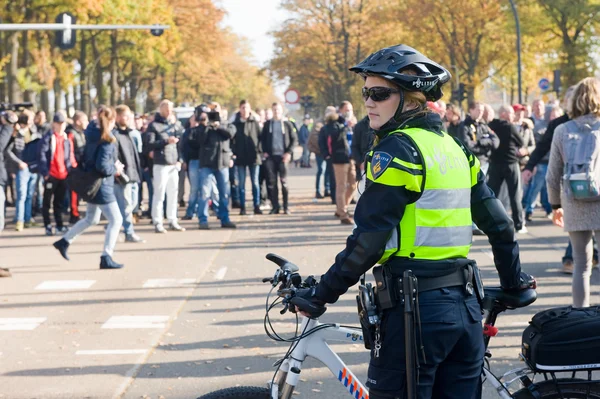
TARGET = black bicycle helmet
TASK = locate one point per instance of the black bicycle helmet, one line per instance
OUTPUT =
(388, 63)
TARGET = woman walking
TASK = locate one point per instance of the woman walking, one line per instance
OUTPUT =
(573, 171)
(100, 155)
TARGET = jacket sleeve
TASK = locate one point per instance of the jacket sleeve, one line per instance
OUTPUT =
(105, 161)
(44, 166)
(491, 217)
(323, 135)
(543, 147)
(516, 136)
(555, 168)
(263, 138)
(155, 141)
(491, 141)
(293, 138)
(9, 154)
(378, 214)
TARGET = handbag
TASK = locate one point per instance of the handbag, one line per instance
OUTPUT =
(85, 184)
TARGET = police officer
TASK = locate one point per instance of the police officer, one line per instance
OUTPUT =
(424, 188)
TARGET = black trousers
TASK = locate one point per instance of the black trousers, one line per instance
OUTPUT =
(262, 181)
(275, 168)
(58, 189)
(452, 337)
(511, 174)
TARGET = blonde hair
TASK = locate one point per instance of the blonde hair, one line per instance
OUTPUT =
(122, 109)
(586, 98)
(105, 116)
(412, 97)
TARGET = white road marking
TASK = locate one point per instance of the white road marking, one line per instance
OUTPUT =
(65, 285)
(520, 324)
(112, 352)
(168, 282)
(488, 253)
(21, 323)
(220, 274)
(124, 322)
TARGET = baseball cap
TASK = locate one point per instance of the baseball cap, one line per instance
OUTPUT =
(59, 117)
(518, 107)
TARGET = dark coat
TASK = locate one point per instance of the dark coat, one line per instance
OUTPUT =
(214, 145)
(479, 138)
(290, 138)
(47, 149)
(5, 135)
(157, 137)
(510, 142)
(78, 139)
(246, 142)
(128, 155)
(100, 156)
(336, 142)
(362, 140)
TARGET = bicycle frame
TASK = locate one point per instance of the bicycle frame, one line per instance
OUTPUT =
(315, 346)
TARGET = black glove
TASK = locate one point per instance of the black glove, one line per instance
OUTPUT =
(526, 281)
(307, 302)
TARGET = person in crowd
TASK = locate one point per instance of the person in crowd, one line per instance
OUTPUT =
(100, 156)
(262, 175)
(40, 122)
(8, 120)
(519, 113)
(247, 151)
(189, 152)
(128, 156)
(488, 114)
(538, 184)
(478, 136)
(147, 166)
(454, 119)
(504, 163)
(362, 141)
(313, 146)
(214, 159)
(56, 159)
(580, 218)
(76, 133)
(526, 129)
(278, 139)
(337, 151)
(25, 179)
(136, 135)
(163, 135)
(303, 135)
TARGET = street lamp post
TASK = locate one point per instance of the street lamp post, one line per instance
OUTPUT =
(519, 78)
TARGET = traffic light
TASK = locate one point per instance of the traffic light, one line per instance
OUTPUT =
(66, 38)
(307, 103)
(157, 32)
(460, 93)
(556, 83)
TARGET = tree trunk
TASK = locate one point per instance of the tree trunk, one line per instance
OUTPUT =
(3, 46)
(114, 70)
(84, 89)
(67, 107)
(45, 101)
(133, 87)
(99, 77)
(57, 93)
(14, 93)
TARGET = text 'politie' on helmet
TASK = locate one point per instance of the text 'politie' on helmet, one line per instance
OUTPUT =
(388, 62)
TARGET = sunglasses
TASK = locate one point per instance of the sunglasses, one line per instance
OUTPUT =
(377, 93)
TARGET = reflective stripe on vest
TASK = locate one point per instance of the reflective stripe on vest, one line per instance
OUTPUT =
(438, 226)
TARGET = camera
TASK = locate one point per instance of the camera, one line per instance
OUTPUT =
(214, 116)
(199, 110)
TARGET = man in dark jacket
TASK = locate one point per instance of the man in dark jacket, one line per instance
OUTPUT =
(477, 136)
(303, 135)
(75, 132)
(7, 122)
(504, 163)
(56, 159)
(278, 140)
(132, 171)
(338, 151)
(247, 151)
(362, 141)
(162, 138)
(214, 159)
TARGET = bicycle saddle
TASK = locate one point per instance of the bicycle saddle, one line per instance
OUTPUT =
(495, 296)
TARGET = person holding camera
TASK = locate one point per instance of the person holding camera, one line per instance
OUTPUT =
(214, 158)
(163, 136)
(99, 157)
(7, 121)
(128, 155)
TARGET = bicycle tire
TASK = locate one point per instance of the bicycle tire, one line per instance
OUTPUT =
(570, 388)
(239, 393)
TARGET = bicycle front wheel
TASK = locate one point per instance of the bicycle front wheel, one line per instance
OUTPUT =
(240, 393)
(563, 389)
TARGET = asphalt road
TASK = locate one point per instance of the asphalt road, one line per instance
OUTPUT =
(185, 316)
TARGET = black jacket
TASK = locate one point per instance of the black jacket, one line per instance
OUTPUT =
(78, 139)
(100, 156)
(362, 140)
(290, 138)
(246, 142)
(128, 155)
(5, 135)
(455, 131)
(478, 138)
(188, 148)
(381, 208)
(510, 142)
(543, 147)
(214, 145)
(157, 137)
(333, 140)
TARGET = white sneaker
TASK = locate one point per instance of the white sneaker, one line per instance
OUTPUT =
(523, 230)
(159, 228)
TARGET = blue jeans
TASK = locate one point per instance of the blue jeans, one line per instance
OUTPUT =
(125, 200)
(254, 170)
(26, 184)
(322, 174)
(193, 175)
(92, 217)
(305, 155)
(147, 177)
(135, 194)
(536, 186)
(206, 185)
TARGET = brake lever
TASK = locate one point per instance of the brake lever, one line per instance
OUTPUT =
(267, 280)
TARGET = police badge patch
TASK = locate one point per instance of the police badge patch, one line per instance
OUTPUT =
(379, 163)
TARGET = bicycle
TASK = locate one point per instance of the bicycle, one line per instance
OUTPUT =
(314, 337)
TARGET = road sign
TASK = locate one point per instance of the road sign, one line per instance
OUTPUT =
(66, 38)
(544, 84)
(292, 96)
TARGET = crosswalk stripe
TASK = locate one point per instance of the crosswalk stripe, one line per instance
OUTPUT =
(21, 323)
(168, 282)
(131, 322)
(112, 352)
(65, 285)
(220, 274)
